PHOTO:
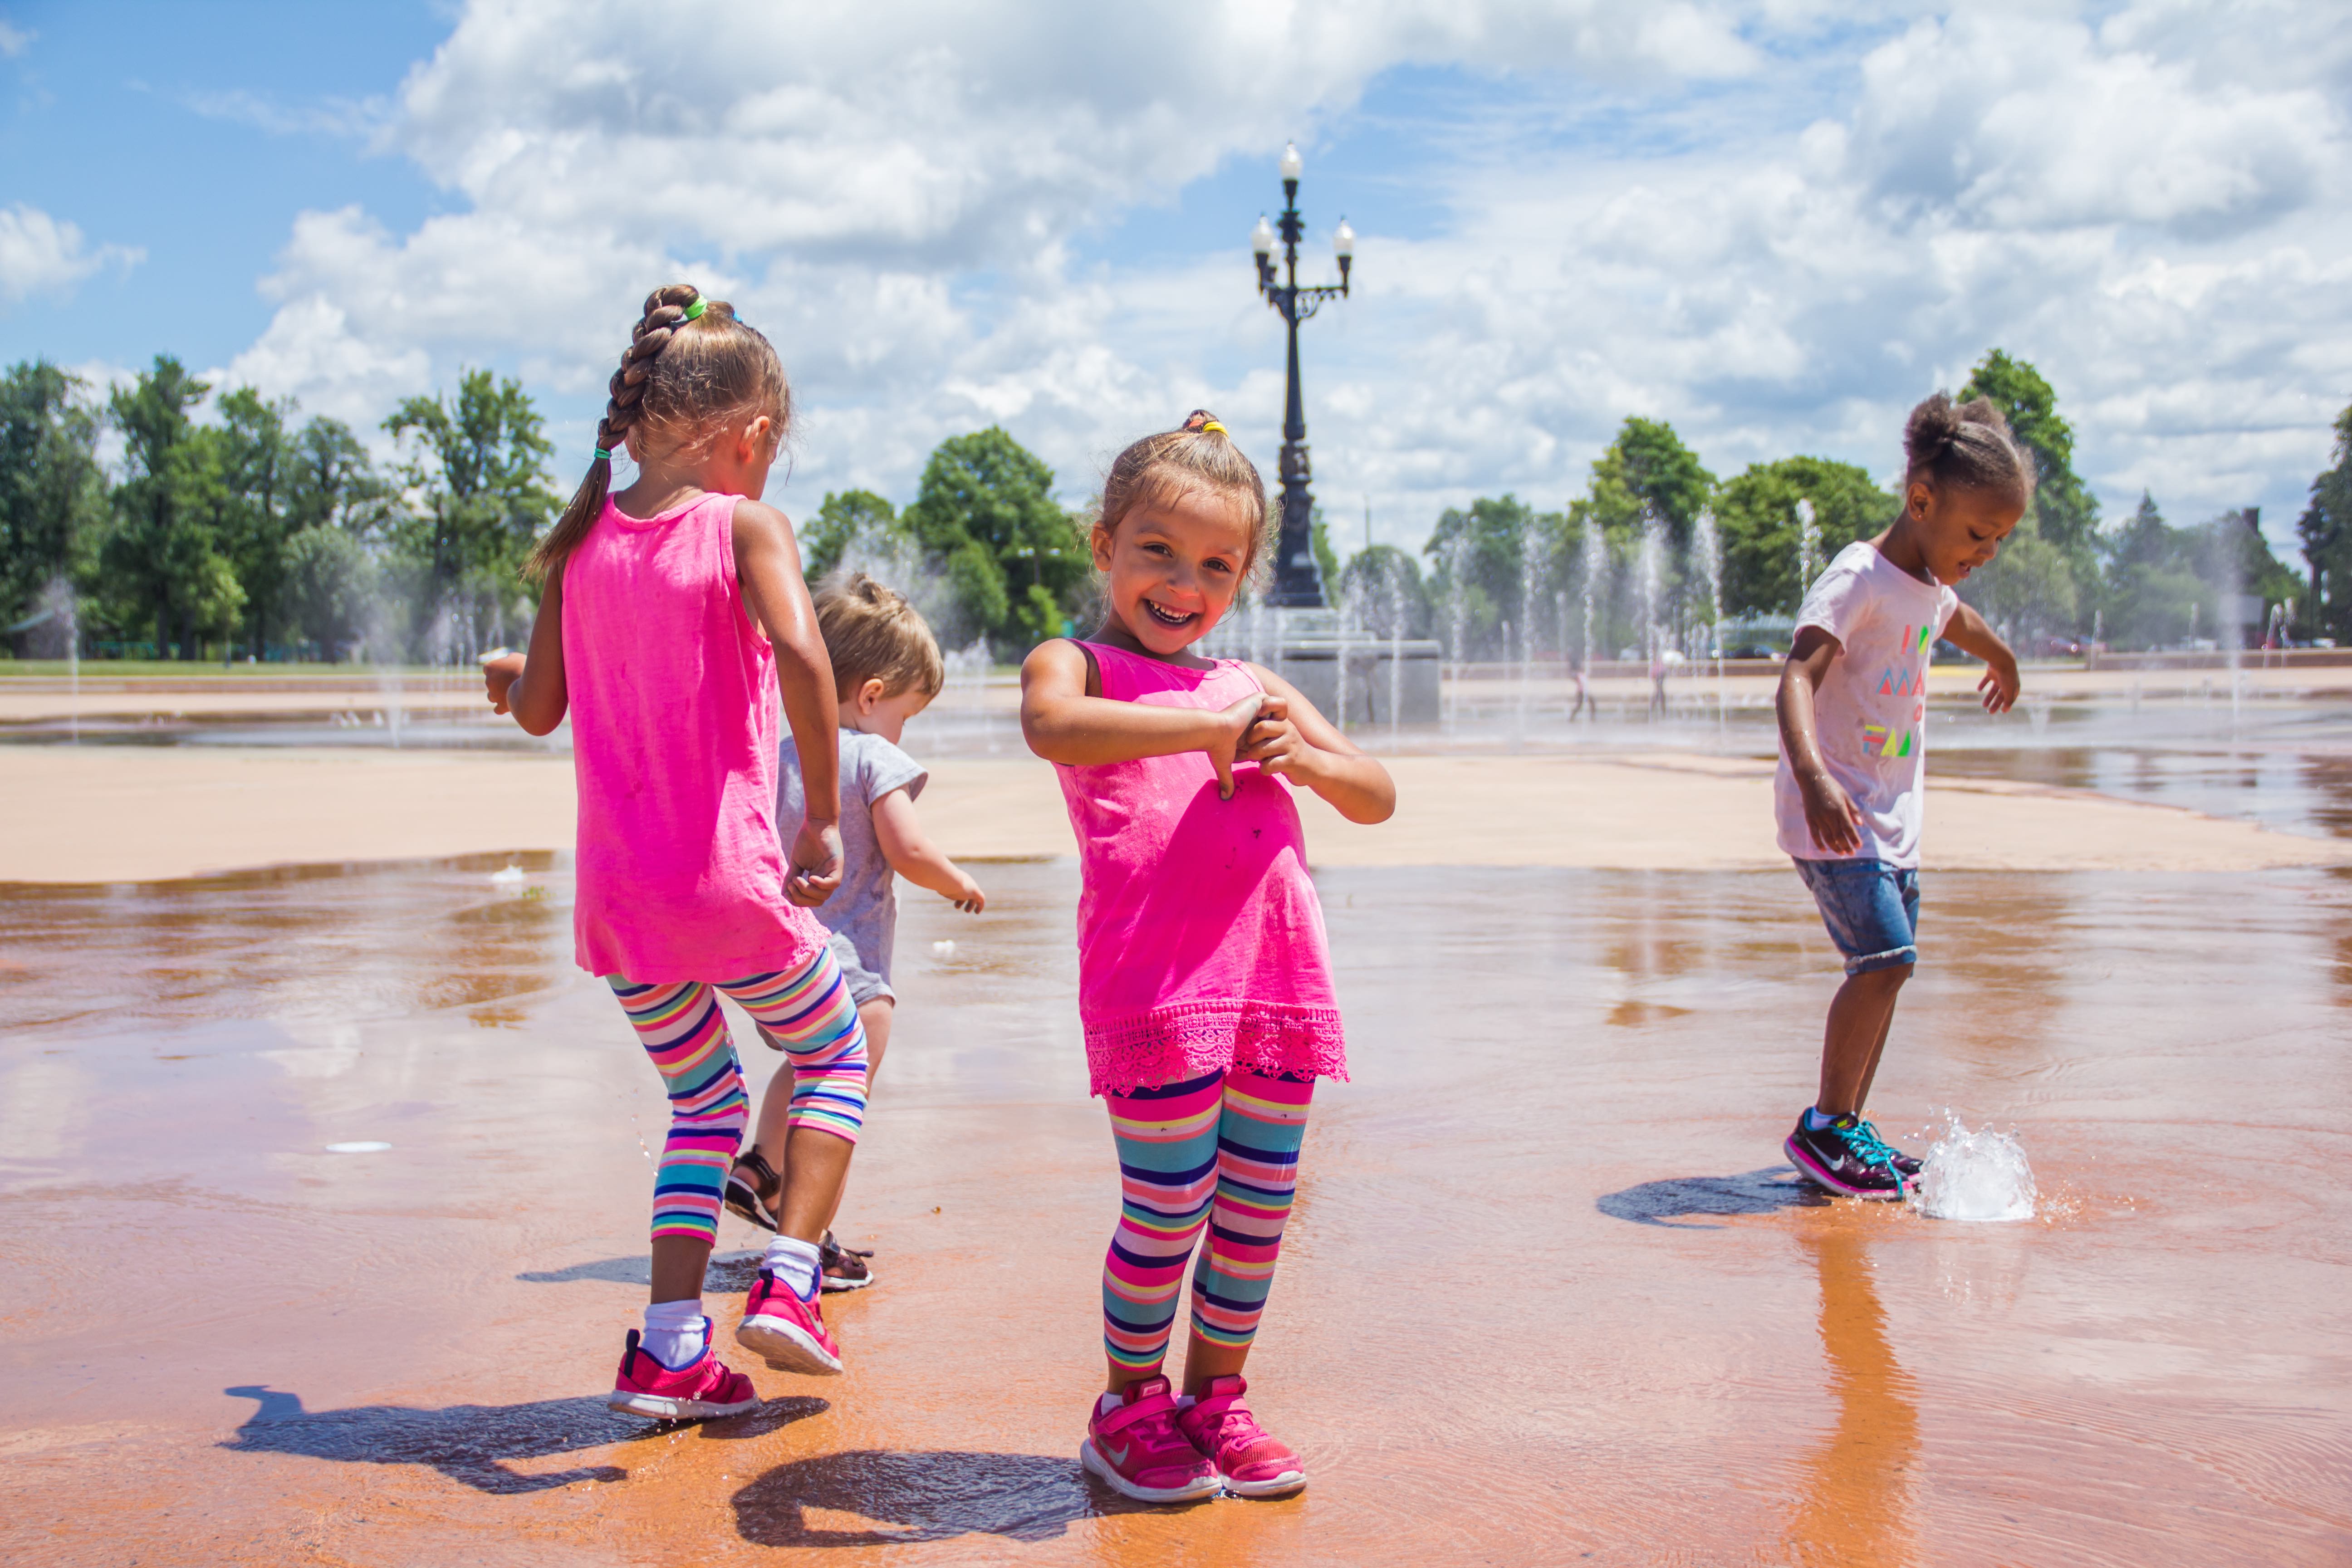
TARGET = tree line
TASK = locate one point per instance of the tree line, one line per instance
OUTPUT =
(1500, 579)
(152, 523)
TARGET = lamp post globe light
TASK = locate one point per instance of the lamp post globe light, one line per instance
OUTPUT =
(1298, 583)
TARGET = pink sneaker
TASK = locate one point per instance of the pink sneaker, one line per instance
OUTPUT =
(788, 1331)
(1138, 1449)
(695, 1392)
(1252, 1463)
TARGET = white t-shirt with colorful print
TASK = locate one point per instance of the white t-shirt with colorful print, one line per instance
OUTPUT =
(1871, 713)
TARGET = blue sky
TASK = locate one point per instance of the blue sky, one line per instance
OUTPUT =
(1774, 223)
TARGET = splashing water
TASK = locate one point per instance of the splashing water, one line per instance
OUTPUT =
(1979, 1176)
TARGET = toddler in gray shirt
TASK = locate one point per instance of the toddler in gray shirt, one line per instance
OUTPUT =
(885, 670)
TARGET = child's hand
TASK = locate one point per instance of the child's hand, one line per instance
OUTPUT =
(499, 671)
(1231, 730)
(1999, 684)
(814, 870)
(1273, 742)
(1831, 815)
(968, 895)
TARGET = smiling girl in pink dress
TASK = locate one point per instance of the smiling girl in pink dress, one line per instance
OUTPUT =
(1204, 980)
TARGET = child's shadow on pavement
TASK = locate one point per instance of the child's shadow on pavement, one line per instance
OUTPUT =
(471, 1444)
(923, 1496)
(1669, 1202)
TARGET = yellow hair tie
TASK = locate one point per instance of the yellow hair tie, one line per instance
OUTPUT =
(1208, 425)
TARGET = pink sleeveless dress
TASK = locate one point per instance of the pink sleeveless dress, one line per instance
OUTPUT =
(674, 713)
(1201, 942)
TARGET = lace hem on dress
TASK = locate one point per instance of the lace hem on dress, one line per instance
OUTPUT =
(1169, 1044)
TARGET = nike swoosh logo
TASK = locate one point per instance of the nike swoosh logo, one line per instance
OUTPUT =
(1119, 1456)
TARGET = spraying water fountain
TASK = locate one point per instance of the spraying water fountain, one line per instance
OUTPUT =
(1653, 561)
(1596, 598)
(1809, 549)
(1709, 548)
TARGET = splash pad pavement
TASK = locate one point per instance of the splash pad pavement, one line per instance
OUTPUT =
(1551, 1295)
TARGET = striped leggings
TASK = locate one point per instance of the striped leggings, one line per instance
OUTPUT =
(685, 1035)
(1220, 1152)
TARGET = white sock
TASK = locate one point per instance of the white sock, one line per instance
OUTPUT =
(1108, 1402)
(794, 1262)
(675, 1334)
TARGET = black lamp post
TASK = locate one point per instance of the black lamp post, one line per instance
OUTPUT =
(1296, 581)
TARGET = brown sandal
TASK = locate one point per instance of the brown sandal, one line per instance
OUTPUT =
(744, 1200)
(843, 1267)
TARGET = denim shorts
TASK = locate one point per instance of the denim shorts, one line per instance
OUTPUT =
(1872, 909)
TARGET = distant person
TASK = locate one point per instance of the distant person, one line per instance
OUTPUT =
(1204, 981)
(1854, 741)
(885, 670)
(672, 613)
(1583, 692)
(1657, 683)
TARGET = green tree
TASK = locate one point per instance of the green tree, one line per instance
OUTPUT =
(476, 486)
(1646, 466)
(162, 565)
(2152, 584)
(1646, 471)
(1485, 559)
(335, 484)
(328, 593)
(848, 520)
(1318, 541)
(1384, 585)
(2325, 529)
(256, 465)
(52, 495)
(1756, 518)
(2065, 515)
(1015, 562)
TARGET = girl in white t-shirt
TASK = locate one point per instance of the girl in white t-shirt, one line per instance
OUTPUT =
(1854, 709)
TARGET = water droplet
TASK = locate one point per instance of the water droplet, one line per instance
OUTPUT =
(360, 1148)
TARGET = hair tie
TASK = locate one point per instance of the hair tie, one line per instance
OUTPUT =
(696, 310)
(1209, 424)
(603, 455)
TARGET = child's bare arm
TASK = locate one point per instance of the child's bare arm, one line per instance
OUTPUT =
(768, 568)
(538, 702)
(1967, 631)
(1063, 724)
(1292, 739)
(913, 856)
(1831, 815)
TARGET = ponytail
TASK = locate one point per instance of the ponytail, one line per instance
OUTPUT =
(723, 368)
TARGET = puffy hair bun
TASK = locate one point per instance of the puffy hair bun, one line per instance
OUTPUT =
(1969, 442)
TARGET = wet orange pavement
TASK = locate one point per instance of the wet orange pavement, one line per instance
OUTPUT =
(1549, 1297)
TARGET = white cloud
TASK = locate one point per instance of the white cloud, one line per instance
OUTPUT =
(14, 41)
(43, 255)
(2146, 206)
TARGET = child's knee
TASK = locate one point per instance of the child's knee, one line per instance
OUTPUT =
(1884, 977)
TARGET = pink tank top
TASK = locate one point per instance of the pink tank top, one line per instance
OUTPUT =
(1201, 942)
(673, 700)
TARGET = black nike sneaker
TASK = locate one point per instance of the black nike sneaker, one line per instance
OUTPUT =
(1845, 1157)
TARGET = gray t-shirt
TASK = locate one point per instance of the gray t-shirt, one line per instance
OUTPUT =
(864, 908)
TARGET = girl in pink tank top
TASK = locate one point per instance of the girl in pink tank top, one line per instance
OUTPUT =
(1204, 981)
(673, 616)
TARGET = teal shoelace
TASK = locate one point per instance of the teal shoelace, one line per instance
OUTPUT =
(1864, 1140)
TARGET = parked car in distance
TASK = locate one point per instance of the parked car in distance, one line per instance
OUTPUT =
(1749, 650)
